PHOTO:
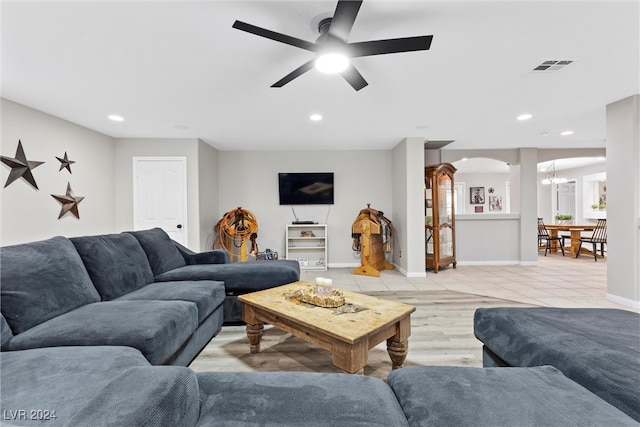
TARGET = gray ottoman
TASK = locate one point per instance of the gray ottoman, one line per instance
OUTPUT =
(462, 396)
(597, 348)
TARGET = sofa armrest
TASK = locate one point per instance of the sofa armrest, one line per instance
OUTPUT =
(143, 396)
(216, 256)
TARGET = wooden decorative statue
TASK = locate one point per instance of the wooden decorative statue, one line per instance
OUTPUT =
(371, 232)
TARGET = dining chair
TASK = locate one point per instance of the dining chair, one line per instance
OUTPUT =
(599, 236)
(543, 235)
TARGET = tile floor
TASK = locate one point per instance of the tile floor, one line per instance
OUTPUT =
(556, 281)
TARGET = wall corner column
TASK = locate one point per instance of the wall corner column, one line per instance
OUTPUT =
(528, 205)
(623, 201)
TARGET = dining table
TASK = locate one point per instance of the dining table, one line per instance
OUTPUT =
(576, 232)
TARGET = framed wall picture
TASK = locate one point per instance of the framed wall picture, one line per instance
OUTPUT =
(495, 203)
(476, 195)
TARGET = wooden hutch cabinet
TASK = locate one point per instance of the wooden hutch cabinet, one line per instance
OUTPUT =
(439, 220)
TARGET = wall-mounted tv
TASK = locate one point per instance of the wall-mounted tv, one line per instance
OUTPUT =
(306, 188)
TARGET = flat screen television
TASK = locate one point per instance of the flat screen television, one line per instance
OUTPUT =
(306, 188)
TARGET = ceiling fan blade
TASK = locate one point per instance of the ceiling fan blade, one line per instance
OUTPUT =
(272, 35)
(295, 73)
(354, 78)
(343, 19)
(382, 47)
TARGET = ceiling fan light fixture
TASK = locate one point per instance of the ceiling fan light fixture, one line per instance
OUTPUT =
(331, 63)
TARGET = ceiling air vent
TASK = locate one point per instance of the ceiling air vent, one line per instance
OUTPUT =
(551, 65)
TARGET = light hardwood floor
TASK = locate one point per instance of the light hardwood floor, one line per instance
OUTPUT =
(442, 326)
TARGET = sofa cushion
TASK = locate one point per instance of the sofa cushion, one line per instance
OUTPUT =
(206, 294)
(156, 328)
(116, 263)
(597, 348)
(5, 333)
(296, 399)
(60, 379)
(464, 396)
(239, 277)
(144, 396)
(42, 280)
(105, 386)
(161, 252)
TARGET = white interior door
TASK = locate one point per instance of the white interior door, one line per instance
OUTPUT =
(160, 195)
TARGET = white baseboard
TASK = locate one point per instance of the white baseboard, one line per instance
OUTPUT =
(507, 262)
(623, 301)
(343, 265)
(406, 273)
(416, 274)
(395, 267)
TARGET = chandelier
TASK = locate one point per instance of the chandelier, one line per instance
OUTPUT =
(553, 178)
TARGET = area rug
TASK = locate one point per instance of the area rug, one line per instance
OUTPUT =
(441, 334)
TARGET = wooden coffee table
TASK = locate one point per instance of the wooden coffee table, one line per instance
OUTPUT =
(348, 336)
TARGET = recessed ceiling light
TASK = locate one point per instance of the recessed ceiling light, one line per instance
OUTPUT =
(566, 132)
(315, 117)
(116, 118)
(545, 133)
(524, 117)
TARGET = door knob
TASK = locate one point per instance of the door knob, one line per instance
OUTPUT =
(179, 225)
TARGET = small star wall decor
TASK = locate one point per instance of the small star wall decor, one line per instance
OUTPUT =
(69, 202)
(20, 167)
(65, 162)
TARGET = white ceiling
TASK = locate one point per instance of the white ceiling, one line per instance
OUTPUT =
(179, 70)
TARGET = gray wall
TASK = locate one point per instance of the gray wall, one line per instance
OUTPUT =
(127, 149)
(29, 214)
(487, 239)
(207, 193)
(408, 206)
(250, 180)
(623, 200)
(497, 181)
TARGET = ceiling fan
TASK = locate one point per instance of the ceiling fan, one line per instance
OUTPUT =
(332, 48)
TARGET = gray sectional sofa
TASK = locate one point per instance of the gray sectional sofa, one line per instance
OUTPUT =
(86, 322)
(135, 289)
(116, 386)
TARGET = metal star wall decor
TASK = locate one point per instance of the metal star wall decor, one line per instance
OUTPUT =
(65, 162)
(20, 167)
(69, 202)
